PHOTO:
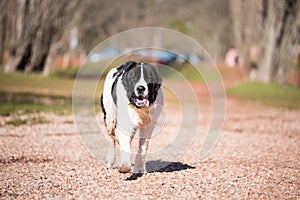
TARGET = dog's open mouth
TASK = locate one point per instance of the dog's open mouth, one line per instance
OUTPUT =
(141, 101)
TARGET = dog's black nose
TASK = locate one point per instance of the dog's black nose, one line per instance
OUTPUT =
(140, 89)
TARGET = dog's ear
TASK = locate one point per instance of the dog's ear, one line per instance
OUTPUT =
(154, 76)
(125, 67)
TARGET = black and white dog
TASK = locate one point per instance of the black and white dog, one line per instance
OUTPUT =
(132, 101)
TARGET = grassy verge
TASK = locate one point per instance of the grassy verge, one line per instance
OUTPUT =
(27, 121)
(30, 103)
(36, 84)
(29, 93)
(271, 94)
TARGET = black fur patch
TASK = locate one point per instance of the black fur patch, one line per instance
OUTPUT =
(122, 69)
(129, 81)
(153, 79)
(102, 107)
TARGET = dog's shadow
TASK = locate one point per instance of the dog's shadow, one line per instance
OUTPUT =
(161, 166)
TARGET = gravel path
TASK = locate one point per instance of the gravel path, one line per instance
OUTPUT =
(256, 158)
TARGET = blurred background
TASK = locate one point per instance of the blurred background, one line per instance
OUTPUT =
(255, 44)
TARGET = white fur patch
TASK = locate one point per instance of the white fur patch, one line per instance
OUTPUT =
(141, 82)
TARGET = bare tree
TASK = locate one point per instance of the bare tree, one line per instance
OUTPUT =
(36, 30)
(6, 25)
(103, 18)
(37, 25)
(272, 29)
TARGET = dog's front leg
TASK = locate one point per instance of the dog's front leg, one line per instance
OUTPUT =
(139, 166)
(145, 135)
(125, 152)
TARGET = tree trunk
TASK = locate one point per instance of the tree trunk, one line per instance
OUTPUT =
(39, 24)
(267, 41)
(273, 27)
(3, 19)
(288, 38)
(6, 29)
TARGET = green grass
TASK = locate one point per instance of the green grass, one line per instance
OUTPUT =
(186, 70)
(36, 84)
(30, 103)
(29, 93)
(32, 120)
(270, 94)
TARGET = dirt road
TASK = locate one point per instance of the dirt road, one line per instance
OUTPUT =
(258, 157)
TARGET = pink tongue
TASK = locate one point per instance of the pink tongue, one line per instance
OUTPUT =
(146, 102)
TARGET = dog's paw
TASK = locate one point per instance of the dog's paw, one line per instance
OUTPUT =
(124, 168)
(139, 170)
(109, 164)
(134, 177)
(110, 158)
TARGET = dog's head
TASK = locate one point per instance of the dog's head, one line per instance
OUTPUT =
(142, 82)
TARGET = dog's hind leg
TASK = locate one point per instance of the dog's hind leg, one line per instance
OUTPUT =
(125, 153)
(111, 153)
